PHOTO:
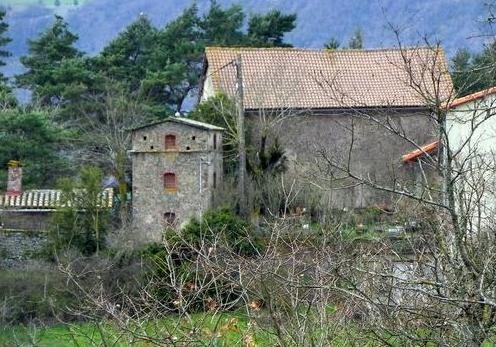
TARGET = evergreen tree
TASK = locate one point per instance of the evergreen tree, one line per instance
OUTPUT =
(269, 29)
(333, 43)
(7, 98)
(126, 58)
(474, 72)
(50, 71)
(175, 65)
(356, 40)
(223, 26)
(32, 138)
(4, 40)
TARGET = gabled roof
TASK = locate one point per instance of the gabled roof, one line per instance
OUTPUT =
(472, 97)
(45, 199)
(309, 79)
(185, 121)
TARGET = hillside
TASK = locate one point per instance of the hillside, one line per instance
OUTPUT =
(454, 22)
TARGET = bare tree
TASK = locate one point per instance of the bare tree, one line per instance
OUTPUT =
(443, 288)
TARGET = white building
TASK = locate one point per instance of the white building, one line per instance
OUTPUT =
(471, 129)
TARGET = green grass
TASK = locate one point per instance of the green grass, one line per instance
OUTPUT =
(41, 2)
(203, 329)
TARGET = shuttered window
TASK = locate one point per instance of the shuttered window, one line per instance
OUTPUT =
(170, 181)
(170, 141)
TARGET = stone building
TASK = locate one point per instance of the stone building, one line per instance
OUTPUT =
(343, 117)
(177, 166)
(32, 210)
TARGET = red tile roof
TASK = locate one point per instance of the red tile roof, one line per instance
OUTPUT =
(472, 97)
(301, 78)
(413, 155)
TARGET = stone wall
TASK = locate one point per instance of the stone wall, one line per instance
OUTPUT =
(25, 220)
(195, 148)
(372, 151)
(16, 248)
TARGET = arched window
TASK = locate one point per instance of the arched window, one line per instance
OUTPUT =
(170, 141)
(170, 181)
(170, 219)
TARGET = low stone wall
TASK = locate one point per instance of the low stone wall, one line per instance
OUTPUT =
(17, 248)
(25, 220)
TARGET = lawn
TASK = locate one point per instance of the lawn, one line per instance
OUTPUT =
(230, 329)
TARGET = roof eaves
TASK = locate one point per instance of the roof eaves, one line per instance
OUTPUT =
(472, 97)
(183, 121)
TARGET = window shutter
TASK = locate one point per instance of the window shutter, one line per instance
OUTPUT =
(170, 141)
(170, 182)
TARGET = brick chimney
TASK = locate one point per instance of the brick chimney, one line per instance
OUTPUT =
(14, 181)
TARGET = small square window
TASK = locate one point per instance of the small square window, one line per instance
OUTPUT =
(144, 138)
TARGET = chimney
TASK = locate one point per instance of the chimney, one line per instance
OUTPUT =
(14, 181)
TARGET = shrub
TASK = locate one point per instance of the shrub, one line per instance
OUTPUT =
(223, 225)
(37, 293)
(81, 223)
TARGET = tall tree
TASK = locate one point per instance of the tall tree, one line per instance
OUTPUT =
(32, 138)
(474, 72)
(126, 58)
(175, 64)
(223, 26)
(269, 29)
(49, 72)
(4, 40)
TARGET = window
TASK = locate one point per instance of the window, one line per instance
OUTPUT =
(215, 180)
(170, 219)
(170, 181)
(215, 141)
(144, 138)
(170, 141)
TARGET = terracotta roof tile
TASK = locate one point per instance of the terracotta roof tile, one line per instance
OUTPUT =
(413, 155)
(472, 97)
(300, 78)
(45, 199)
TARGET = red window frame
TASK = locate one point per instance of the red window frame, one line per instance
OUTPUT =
(170, 142)
(170, 181)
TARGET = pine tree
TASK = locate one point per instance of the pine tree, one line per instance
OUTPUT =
(126, 57)
(333, 43)
(53, 64)
(269, 29)
(356, 40)
(223, 26)
(4, 40)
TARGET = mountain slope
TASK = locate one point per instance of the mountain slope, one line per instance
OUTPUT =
(454, 22)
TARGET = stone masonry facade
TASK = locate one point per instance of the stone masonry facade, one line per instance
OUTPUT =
(352, 140)
(177, 166)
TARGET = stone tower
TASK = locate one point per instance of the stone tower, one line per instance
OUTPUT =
(177, 166)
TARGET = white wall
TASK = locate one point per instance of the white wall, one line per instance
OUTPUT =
(471, 129)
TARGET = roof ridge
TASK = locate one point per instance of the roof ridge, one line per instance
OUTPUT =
(318, 50)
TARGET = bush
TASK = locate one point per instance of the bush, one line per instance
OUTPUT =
(81, 223)
(223, 225)
(37, 293)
